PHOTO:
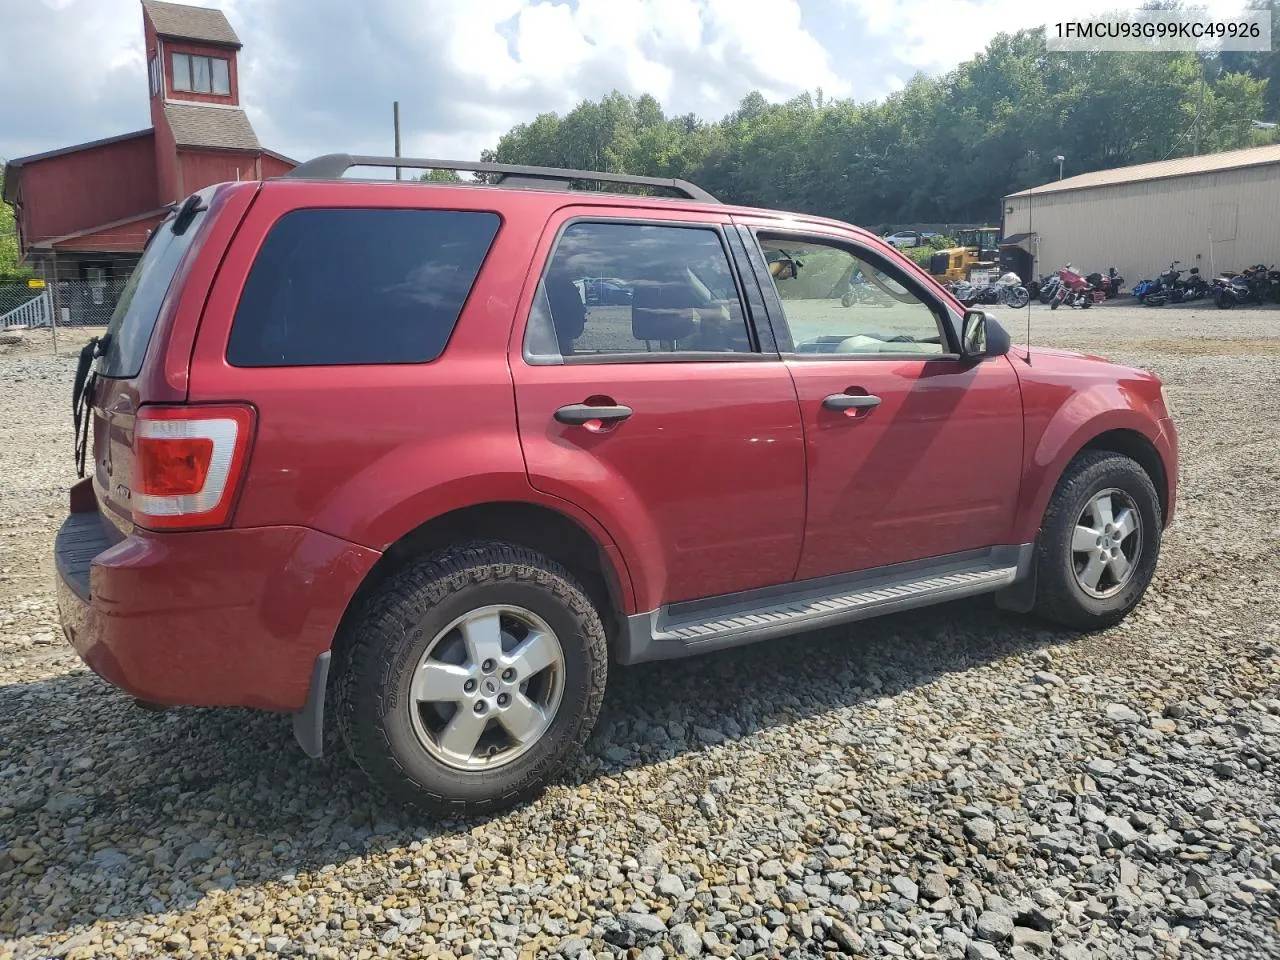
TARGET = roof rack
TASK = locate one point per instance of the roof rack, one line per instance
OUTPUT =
(332, 166)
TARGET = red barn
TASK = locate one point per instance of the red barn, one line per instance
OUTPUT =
(83, 212)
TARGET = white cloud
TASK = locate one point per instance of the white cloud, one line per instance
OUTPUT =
(321, 75)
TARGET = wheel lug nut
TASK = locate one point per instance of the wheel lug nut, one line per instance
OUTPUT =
(487, 666)
(503, 699)
(508, 674)
(469, 686)
(481, 706)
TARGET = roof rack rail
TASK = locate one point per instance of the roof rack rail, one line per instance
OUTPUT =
(332, 166)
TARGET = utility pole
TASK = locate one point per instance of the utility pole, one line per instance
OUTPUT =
(1195, 124)
(395, 111)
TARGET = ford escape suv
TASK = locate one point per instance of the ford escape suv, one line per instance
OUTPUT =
(422, 462)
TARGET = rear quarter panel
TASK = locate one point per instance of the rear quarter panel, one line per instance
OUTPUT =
(1069, 400)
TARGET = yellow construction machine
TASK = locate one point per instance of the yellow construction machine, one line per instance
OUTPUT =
(978, 249)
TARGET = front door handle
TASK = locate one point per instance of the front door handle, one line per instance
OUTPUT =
(580, 413)
(848, 401)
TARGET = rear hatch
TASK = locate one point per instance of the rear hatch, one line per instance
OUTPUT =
(116, 385)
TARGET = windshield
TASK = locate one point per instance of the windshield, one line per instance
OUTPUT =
(134, 319)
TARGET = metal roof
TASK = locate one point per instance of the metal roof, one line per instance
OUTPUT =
(1163, 169)
(178, 21)
(198, 125)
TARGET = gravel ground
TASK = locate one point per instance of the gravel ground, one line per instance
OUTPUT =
(951, 783)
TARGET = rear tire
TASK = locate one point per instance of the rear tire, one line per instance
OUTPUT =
(398, 732)
(1068, 559)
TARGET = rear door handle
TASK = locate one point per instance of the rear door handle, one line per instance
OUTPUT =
(847, 401)
(580, 413)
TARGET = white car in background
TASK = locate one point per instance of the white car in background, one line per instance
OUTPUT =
(905, 238)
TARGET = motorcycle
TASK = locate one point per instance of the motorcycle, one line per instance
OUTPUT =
(1109, 284)
(1142, 288)
(1008, 290)
(1115, 283)
(1193, 288)
(971, 294)
(1165, 286)
(1049, 287)
(1254, 285)
(1011, 292)
(1074, 290)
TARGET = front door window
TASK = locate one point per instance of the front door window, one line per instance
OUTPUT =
(836, 302)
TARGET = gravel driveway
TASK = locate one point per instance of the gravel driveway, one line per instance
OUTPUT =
(952, 783)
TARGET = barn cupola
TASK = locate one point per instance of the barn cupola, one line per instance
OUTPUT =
(191, 54)
(202, 133)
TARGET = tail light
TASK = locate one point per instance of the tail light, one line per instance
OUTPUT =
(187, 464)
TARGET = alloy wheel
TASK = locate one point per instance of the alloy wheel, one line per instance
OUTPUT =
(487, 687)
(1106, 543)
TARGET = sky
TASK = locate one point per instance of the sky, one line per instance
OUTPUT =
(319, 76)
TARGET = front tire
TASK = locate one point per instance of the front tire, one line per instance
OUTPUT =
(472, 679)
(1099, 542)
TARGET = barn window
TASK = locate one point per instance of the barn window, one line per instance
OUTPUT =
(201, 74)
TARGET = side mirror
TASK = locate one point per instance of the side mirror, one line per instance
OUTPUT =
(983, 336)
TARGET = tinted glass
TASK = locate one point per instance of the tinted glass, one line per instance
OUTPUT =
(838, 303)
(358, 286)
(221, 77)
(624, 288)
(138, 308)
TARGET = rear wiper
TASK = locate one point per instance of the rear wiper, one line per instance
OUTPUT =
(186, 213)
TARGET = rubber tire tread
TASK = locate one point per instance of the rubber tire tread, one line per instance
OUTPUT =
(383, 633)
(1058, 598)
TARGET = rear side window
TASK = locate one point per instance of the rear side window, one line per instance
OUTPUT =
(341, 286)
(640, 291)
(134, 318)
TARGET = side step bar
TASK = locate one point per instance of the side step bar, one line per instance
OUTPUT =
(700, 626)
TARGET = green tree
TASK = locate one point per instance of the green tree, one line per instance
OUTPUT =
(9, 267)
(1262, 65)
(944, 149)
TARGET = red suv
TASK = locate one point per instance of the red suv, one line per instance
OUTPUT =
(426, 459)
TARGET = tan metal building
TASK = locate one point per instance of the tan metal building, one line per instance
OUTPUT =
(1217, 212)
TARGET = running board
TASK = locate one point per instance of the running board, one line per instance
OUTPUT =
(700, 626)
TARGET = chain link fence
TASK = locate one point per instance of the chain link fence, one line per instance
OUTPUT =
(68, 303)
(15, 293)
(85, 303)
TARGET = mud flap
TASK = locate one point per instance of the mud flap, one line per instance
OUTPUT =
(1020, 596)
(308, 723)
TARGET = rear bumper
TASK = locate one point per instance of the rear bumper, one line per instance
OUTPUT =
(207, 618)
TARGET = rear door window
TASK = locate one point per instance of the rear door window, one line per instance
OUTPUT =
(358, 286)
(134, 318)
(639, 291)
